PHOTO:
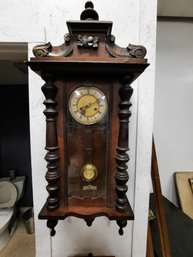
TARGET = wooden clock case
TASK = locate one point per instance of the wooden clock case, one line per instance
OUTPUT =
(88, 56)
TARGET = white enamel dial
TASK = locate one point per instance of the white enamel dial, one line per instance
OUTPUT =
(87, 105)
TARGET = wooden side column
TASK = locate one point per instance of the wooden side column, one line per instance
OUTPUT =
(121, 176)
(52, 156)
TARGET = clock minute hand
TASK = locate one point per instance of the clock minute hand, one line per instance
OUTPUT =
(97, 101)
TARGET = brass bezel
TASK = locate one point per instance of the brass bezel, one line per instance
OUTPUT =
(81, 88)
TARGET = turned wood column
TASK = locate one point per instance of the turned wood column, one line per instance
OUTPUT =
(121, 176)
(52, 156)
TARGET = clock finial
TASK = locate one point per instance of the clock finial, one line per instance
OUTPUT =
(89, 4)
(89, 13)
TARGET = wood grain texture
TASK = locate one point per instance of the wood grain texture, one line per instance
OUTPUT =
(86, 212)
(149, 251)
(160, 211)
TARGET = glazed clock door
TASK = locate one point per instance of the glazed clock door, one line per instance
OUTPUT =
(87, 141)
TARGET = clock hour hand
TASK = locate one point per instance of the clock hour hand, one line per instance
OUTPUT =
(85, 107)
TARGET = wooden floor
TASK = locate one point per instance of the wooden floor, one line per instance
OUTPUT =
(21, 244)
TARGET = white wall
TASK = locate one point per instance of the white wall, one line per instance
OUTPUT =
(134, 22)
(173, 122)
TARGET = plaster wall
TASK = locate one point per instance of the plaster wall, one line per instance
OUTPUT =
(134, 22)
(173, 124)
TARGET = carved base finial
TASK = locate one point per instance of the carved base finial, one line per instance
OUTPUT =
(89, 222)
(51, 225)
(121, 224)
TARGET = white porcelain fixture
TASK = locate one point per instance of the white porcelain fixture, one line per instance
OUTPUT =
(10, 193)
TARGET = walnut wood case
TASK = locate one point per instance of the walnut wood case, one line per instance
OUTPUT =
(89, 58)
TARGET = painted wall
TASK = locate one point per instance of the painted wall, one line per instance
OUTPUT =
(175, 8)
(134, 22)
(173, 124)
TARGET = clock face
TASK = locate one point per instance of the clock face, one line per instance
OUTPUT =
(87, 105)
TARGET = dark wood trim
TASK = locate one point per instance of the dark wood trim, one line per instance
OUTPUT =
(121, 176)
(174, 18)
(52, 157)
(86, 212)
(160, 211)
(149, 251)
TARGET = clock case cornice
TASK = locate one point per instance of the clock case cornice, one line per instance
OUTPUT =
(89, 49)
(80, 52)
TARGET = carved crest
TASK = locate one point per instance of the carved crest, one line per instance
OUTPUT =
(87, 42)
(88, 25)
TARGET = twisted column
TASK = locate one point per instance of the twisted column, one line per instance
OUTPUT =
(52, 157)
(121, 176)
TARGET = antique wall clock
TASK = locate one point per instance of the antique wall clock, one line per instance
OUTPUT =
(87, 97)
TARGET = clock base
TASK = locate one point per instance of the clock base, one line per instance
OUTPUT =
(87, 213)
